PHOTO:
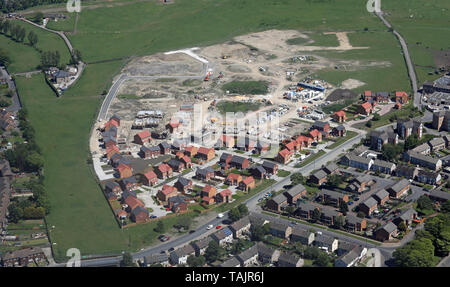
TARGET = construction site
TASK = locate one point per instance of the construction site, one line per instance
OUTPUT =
(161, 90)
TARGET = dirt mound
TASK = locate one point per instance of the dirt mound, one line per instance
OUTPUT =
(341, 94)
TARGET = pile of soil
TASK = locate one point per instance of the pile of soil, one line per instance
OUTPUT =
(341, 94)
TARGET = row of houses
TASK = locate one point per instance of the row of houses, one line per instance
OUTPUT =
(22, 257)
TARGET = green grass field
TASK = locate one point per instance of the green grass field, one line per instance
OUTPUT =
(47, 41)
(23, 57)
(66, 25)
(425, 27)
(235, 107)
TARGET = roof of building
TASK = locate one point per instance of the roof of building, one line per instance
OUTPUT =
(324, 239)
(279, 199)
(389, 227)
(331, 167)
(382, 193)
(383, 163)
(223, 233)
(205, 171)
(370, 202)
(288, 258)
(268, 164)
(264, 250)
(436, 142)
(185, 250)
(353, 219)
(296, 190)
(138, 210)
(203, 243)
(241, 223)
(232, 262)
(398, 186)
(249, 253)
(300, 232)
(320, 174)
(238, 159)
(129, 180)
(156, 258)
(440, 194)
(184, 181)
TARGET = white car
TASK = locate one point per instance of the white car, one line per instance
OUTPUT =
(220, 215)
(209, 227)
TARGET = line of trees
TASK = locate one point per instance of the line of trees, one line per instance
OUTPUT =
(16, 5)
(17, 32)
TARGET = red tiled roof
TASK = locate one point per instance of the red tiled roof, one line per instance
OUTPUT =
(233, 176)
(340, 113)
(111, 148)
(248, 180)
(314, 133)
(190, 148)
(291, 145)
(133, 202)
(174, 124)
(225, 192)
(401, 94)
(144, 134)
(111, 122)
(122, 167)
(203, 150)
(121, 213)
(164, 167)
(167, 189)
(208, 199)
(207, 188)
(367, 93)
(366, 105)
(285, 152)
(150, 175)
(186, 159)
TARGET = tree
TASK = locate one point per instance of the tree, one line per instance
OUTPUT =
(311, 252)
(6, 27)
(322, 260)
(15, 213)
(316, 215)
(159, 227)
(127, 260)
(257, 232)
(445, 207)
(4, 58)
(194, 261)
(361, 214)
(243, 210)
(369, 124)
(417, 253)
(402, 226)
(339, 222)
(424, 203)
(32, 38)
(334, 180)
(38, 17)
(213, 252)
(234, 214)
(297, 178)
(21, 32)
(411, 142)
(290, 210)
(343, 207)
(390, 151)
(376, 117)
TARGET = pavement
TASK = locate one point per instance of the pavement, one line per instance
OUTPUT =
(16, 104)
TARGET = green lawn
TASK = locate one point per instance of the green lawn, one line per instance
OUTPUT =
(23, 58)
(325, 40)
(283, 173)
(47, 41)
(66, 25)
(311, 158)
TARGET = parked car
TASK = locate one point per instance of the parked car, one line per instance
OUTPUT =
(220, 215)
(218, 226)
(209, 227)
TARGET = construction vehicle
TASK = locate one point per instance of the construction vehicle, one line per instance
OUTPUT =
(207, 78)
(225, 57)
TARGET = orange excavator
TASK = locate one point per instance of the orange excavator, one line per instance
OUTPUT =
(207, 78)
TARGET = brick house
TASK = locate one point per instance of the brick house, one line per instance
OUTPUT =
(207, 200)
(295, 193)
(224, 196)
(22, 257)
(284, 156)
(150, 152)
(183, 185)
(112, 186)
(368, 206)
(315, 135)
(124, 170)
(205, 173)
(365, 109)
(386, 232)
(401, 97)
(165, 148)
(176, 165)
(381, 196)
(339, 116)
(319, 177)
(163, 171)
(133, 202)
(209, 191)
(233, 179)
(206, 154)
(270, 167)
(399, 189)
(225, 160)
(191, 151)
(149, 178)
(129, 183)
(277, 202)
(166, 192)
(177, 204)
(247, 184)
(143, 137)
(139, 215)
(239, 162)
(111, 150)
(355, 224)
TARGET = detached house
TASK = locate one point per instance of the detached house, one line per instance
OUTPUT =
(247, 184)
(205, 173)
(259, 172)
(225, 160)
(365, 109)
(355, 224)
(224, 196)
(164, 148)
(386, 232)
(166, 192)
(112, 186)
(205, 154)
(277, 202)
(270, 167)
(239, 162)
(143, 137)
(233, 179)
(150, 178)
(368, 206)
(284, 156)
(381, 196)
(129, 183)
(150, 152)
(139, 214)
(191, 151)
(176, 165)
(319, 177)
(407, 216)
(399, 189)
(163, 171)
(183, 185)
(339, 116)
(124, 170)
(332, 197)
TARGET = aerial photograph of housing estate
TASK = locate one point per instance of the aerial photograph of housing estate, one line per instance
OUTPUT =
(231, 133)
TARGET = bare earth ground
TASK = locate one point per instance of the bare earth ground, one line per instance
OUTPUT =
(259, 56)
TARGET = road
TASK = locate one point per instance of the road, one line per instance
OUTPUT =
(123, 77)
(409, 63)
(59, 33)
(16, 104)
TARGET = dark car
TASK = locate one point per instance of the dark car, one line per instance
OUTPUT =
(171, 249)
(192, 231)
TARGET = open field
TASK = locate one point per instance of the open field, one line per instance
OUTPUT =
(23, 57)
(426, 29)
(80, 213)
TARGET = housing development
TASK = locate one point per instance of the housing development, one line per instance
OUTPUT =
(290, 143)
